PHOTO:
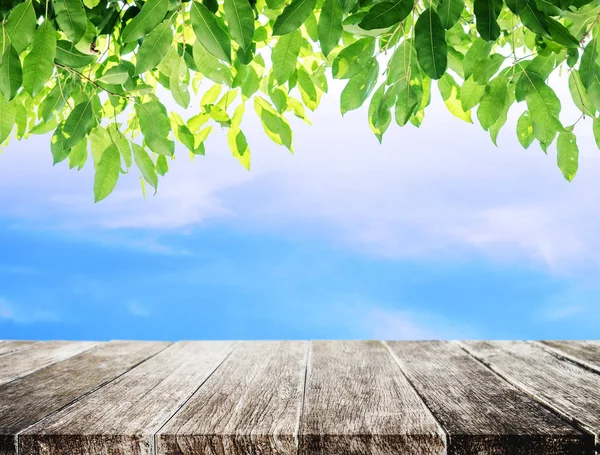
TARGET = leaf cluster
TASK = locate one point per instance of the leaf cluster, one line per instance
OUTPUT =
(95, 73)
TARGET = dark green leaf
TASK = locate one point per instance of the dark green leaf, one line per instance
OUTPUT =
(486, 17)
(330, 25)
(78, 124)
(359, 87)
(430, 44)
(11, 73)
(293, 16)
(353, 59)
(68, 55)
(209, 32)
(152, 14)
(386, 14)
(240, 19)
(588, 65)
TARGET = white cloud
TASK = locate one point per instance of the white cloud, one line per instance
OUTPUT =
(440, 190)
(21, 314)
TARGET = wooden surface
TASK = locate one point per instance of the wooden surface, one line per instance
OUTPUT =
(299, 397)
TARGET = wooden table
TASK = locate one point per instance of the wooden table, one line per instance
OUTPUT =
(288, 397)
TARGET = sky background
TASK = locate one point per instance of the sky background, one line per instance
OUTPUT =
(436, 233)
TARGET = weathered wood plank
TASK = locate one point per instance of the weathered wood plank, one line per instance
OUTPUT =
(569, 389)
(586, 353)
(251, 405)
(40, 355)
(27, 400)
(122, 417)
(10, 346)
(358, 402)
(481, 412)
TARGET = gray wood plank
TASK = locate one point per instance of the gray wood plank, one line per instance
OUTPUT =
(480, 411)
(27, 400)
(251, 405)
(122, 417)
(569, 389)
(40, 355)
(586, 353)
(10, 346)
(357, 402)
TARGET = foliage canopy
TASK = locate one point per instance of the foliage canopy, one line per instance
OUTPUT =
(95, 72)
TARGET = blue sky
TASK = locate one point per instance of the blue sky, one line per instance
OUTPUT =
(434, 234)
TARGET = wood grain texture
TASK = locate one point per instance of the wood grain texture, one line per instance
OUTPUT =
(586, 353)
(27, 400)
(481, 412)
(569, 389)
(357, 402)
(251, 405)
(122, 417)
(10, 346)
(40, 355)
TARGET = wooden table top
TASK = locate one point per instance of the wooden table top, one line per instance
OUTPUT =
(289, 397)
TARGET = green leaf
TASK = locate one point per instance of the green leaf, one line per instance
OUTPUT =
(359, 88)
(20, 25)
(155, 126)
(68, 55)
(430, 43)
(568, 154)
(145, 165)
(525, 130)
(178, 83)
(561, 35)
(121, 143)
(492, 103)
(274, 125)
(162, 167)
(38, 65)
(154, 48)
(353, 59)
(330, 25)
(107, 173)
(587, 66)
(486, 16)
(544, 107)
(209, 32)
(240, 19)
(307, 89)
(71, 18)
(596, 131)
(11, 74)
(579, 94)
(409, 97)
(348, 5)
(115, 75)
(450, 11)
(285, 56)
(379, 110)
(8, 113)
(54, 101)
(239, 146)
(293, 16)
(57, 146)
(450, 92)
(79, 123)
(78, 155)
(485, 69)
(210, 66)
(152, 14)
(385, 14)
(471, 94)
(478, 51)
(534, 19)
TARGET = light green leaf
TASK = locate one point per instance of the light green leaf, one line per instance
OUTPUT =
(115, 75)
(293, 16)
(353, 59)
(155, 126)
(20, 25)
(239, 146)
(359, 88)
(544, 107)
(107, 173)
(492, 103)
(275, 126)
(178, 83)
(210, 66)
(307, 90)
(285, 56)
(450, 92)
(579, 94)
(588, 64)
(385, 14)
(478, 51)
(38, 65)
(79, 123)
(485, 69)
(145, 165)
(68, 55)
(11, 73)
(568, 154)
(409, 97)
(525, 130)
(471, 94)
(240, 19)
(154, 48)
(78, 155)
(122, 144)
(71, 18)
(430, 43)
(54, 101)
(450, 11)
(596, 130)
(8, 113)
(152, 14)
(209, 32)
(330, 28)
(162, 167)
